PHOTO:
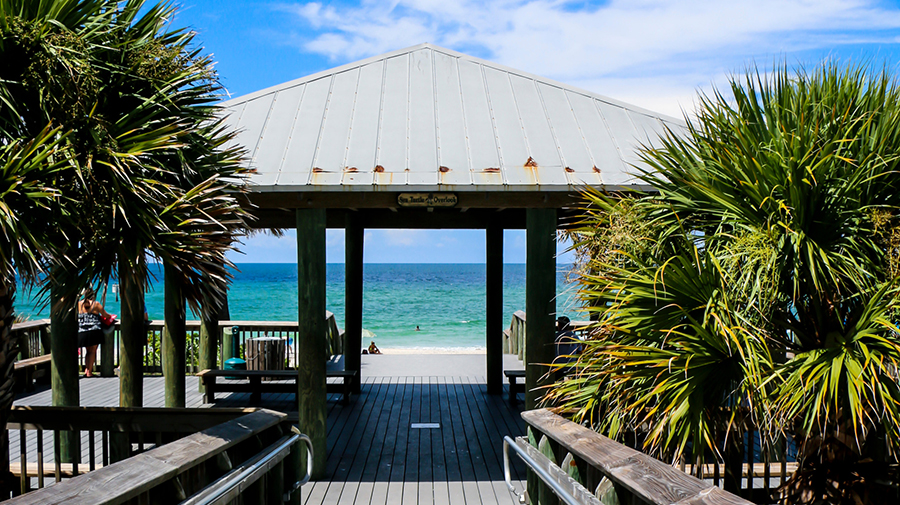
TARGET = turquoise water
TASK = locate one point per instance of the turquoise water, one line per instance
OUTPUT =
(446, 301)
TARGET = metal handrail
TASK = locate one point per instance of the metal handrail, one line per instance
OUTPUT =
(541, 473)
(230, 486)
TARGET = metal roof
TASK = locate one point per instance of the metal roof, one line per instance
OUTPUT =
(427, 118)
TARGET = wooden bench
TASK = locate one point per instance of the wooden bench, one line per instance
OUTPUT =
(255, 385)
(29, 369)
(514, 385)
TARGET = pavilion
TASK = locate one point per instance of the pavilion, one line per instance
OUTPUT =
(426, 137)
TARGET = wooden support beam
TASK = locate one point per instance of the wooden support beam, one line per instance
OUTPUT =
(311, 394)
(494, 309)
(64, 366)
(492, 199)
(209, 340)
(173, 340)
(132, 338)
(540, 300)
(353, 295)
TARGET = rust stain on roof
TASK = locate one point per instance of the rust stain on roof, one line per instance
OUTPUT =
(531, 163)
(570, 170)
(317, 170)
(443, 169)
(379, 168)
(350, 169)
(596, 169)
(492, 170)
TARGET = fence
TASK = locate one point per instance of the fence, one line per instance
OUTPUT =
(251, 457)
(35, 337)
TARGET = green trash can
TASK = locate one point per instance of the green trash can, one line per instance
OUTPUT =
(234, 364)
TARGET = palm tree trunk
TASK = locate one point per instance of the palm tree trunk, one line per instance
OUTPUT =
(64, 365)
(7, 360)
(734, 462)
(133, 337)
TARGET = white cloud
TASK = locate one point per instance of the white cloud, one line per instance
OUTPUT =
(403, 237)
(654, 53)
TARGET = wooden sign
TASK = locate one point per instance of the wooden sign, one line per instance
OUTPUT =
(427, 199)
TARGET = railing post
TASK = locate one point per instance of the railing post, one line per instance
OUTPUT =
(275, 483)
(119, 446)
(292, 474)
(107, 353)
(209, 341)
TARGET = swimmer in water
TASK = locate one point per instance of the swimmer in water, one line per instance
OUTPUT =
(417, 328)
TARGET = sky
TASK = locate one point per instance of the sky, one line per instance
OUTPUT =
(657, 54)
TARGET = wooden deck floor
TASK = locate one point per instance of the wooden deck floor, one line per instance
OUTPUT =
(374, 455)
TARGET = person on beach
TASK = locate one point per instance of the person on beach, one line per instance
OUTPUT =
(90, 332)
(373, 349)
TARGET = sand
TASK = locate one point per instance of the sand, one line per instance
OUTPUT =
(433, 350)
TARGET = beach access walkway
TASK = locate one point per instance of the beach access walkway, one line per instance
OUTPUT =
(423, 431)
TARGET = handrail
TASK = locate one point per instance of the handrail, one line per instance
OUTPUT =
(232, 484)
(537, 469)
(168, 467)
(634, 473)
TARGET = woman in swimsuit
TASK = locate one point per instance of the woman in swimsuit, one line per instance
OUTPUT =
(90, 333)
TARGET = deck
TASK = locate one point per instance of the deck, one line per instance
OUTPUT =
(374, 455)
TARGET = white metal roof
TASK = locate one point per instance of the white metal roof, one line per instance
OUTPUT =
(431, 119)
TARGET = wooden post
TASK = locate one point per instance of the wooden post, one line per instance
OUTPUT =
(64, 366)
(173, 341)
(540, 300)
(209, 340)
(494, 309)
(107, 355)
(311, 356)
(132, 338)
(353, 296)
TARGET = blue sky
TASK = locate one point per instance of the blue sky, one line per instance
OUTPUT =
(653, 53)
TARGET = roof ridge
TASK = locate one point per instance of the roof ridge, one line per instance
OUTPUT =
(455, 54)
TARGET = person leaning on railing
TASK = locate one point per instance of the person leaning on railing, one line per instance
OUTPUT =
(90, 331)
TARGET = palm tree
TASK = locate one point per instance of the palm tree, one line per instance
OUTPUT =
(777, 218)
(151, 171)
(26, 242)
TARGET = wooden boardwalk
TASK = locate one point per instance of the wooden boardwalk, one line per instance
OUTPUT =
(374, 454)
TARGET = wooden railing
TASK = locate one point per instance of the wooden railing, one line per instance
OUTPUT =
(251, 459)
(595, 469)
(514, 337)
(36, 336)
(106, 435)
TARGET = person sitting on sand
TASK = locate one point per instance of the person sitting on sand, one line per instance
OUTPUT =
(373, 349)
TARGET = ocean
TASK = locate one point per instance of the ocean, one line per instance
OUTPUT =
(446, 301)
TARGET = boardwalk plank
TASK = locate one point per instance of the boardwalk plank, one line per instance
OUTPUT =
(361, 442)
(369, 491)
(473, 439)
(411, 473)
(426, 465)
